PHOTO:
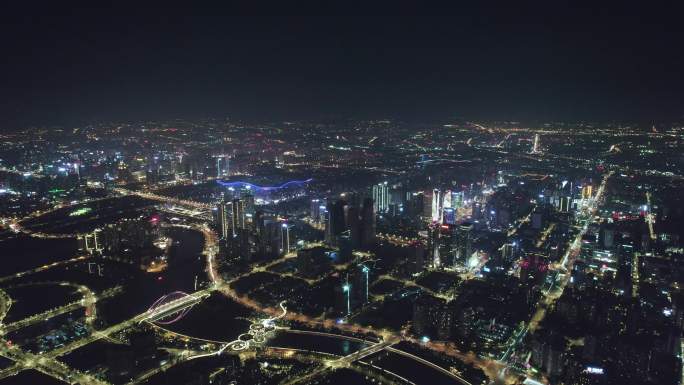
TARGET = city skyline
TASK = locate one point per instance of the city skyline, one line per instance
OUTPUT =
(335, 194)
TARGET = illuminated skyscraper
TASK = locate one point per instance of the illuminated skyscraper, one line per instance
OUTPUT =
(380, 197)
(449, 216)
(284, 238)
(239, 213)
(231, 217)
(457, 199)
(564, 204)
(446, 201)
(225, 219)
(315, 210)
(433, 243)
(436, 205)
(535, 145)
(507, 252)
(462, 243)
(222, 166)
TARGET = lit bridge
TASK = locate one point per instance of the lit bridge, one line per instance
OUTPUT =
(172, 307)
(251, 186)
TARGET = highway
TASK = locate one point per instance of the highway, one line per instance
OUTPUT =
(47, 365)
(165, 199)
(88, 300)
(44, 267)
(341, 362)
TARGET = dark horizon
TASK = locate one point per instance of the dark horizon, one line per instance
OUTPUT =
(562, 63)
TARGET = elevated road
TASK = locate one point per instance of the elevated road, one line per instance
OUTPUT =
(430, 364)
(342, 362)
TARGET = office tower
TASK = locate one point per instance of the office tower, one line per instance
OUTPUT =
(315, 210)
(353, 223)
(222, 166)
(564, 205)
(271, 240)
(462, 243)
(284, 238)
(433, 244)
(381, 197)
(447, 200)
(335, 224)
(508, 252)
(457, 199)
(259, 224)
(225, 219)
(608, 237)
(231, 217)
(322, 213)
(535, 145)
(249, 204)
(449, 216)
(239, 214)
(436, 205)
(367, 223)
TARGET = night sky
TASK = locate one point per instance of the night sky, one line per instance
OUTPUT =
(64, 65)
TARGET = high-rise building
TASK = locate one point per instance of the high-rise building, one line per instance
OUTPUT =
(353, 223)
(284, 238)
(462, 243)
(91, 242)
(457, 199)
(433, 244)
(222, 166)
(231, 217)
(315, 210)
(367, 223)
(535, 144)
(249, 203)
(381, 197)
(447, 200)
(436, 205)
(608, 237)
(335, 224)
(508, 252)
(564, 204)
(224, 218)
(449, 216)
